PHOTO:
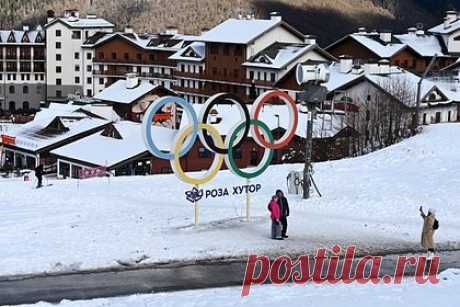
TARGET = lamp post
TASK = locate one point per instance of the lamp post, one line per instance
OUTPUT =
(419, 92)
(310, 78)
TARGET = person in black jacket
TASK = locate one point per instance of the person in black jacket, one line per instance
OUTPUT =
(39, 175)
(284, 211)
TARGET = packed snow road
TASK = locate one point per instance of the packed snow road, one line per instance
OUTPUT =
(164, 278)
(371, 202)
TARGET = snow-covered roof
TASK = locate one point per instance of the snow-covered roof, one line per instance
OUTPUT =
(36, 135)
(326, 125)
(426, 45)
(278, 55)
(196, 51)
(383, 51)
(88, 23)
(119, 93)
(442, 29)
(107, 151)
(148, 41)
(239, 31)
(19, 35)
(390, 82)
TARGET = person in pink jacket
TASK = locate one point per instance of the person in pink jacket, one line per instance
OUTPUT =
(275, 215)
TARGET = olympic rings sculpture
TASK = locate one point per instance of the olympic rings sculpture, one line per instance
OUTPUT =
(213, 141)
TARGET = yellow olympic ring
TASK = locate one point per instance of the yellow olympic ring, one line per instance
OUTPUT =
(216, 164)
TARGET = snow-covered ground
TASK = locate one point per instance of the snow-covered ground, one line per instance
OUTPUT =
(408, 294)
(371, 201)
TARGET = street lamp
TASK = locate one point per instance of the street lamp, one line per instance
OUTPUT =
(310, 78)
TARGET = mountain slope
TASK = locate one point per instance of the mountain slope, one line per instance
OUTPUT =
(328, 19)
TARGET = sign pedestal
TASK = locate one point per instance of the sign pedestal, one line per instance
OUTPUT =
(248, 202)
(197, 210)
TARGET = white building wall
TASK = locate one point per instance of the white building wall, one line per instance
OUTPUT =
(453, 45)
(278, 34)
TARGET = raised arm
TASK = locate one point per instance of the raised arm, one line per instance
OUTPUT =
(421, 212)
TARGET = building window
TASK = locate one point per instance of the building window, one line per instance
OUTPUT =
(89, 81)
(237, 153)
(236, 73)
(114, 55)
(76, 55)
(58, 33)
(58, 69)
(204, 153)
(89, 93)
(238, 50)
(25, 89)
(251, 75)
(77, 67)
(214, 50)
(273, 77)
(89, 56)
(89, 68)
(126, 56)
(139, 57)
(77, 80)
(58, 57)
(101, 81)
(12, 106)
(214, 70)
(58, 45)
(11, 89)
(76, 34)
(101, 55)
(152, 57)
(25, 106)
(226, 50)
(58, 93)
(58, 81)
(449, 116)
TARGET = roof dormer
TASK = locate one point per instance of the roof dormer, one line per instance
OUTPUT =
(39, 38)
(25, 38)
(11, 38)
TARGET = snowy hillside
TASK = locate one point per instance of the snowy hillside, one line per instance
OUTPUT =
(371, 201)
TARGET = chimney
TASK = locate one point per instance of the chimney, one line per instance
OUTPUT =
(132, 81)
(275, 16)
(171, 30)
(50, 15)
(357, 70)
(385, 67)
(412, 30)
(420, 32)
(362, 30)
(451, 17)
(346, 64)
(25, 28)
(386, 36)
(310, 39)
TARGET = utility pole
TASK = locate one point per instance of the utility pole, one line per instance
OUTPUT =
(310, 77)
(419, 92)
(308, 153)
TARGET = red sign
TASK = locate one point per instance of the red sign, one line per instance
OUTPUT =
(92, 172)
(8, 140)
(162, 117)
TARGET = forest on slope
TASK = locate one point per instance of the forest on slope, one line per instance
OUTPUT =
(329, 19)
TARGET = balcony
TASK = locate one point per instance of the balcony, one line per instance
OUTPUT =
(156, 75)
(190, 75)
(11, 56)
(25, 57)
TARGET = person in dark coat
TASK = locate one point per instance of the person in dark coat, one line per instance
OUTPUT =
(39, 175)
(283, 202)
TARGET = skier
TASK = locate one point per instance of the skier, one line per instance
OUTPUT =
(275, 210)
(284, 206)
(430, 224)
(39, 175)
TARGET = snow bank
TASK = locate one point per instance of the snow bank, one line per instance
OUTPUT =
(371, 201)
